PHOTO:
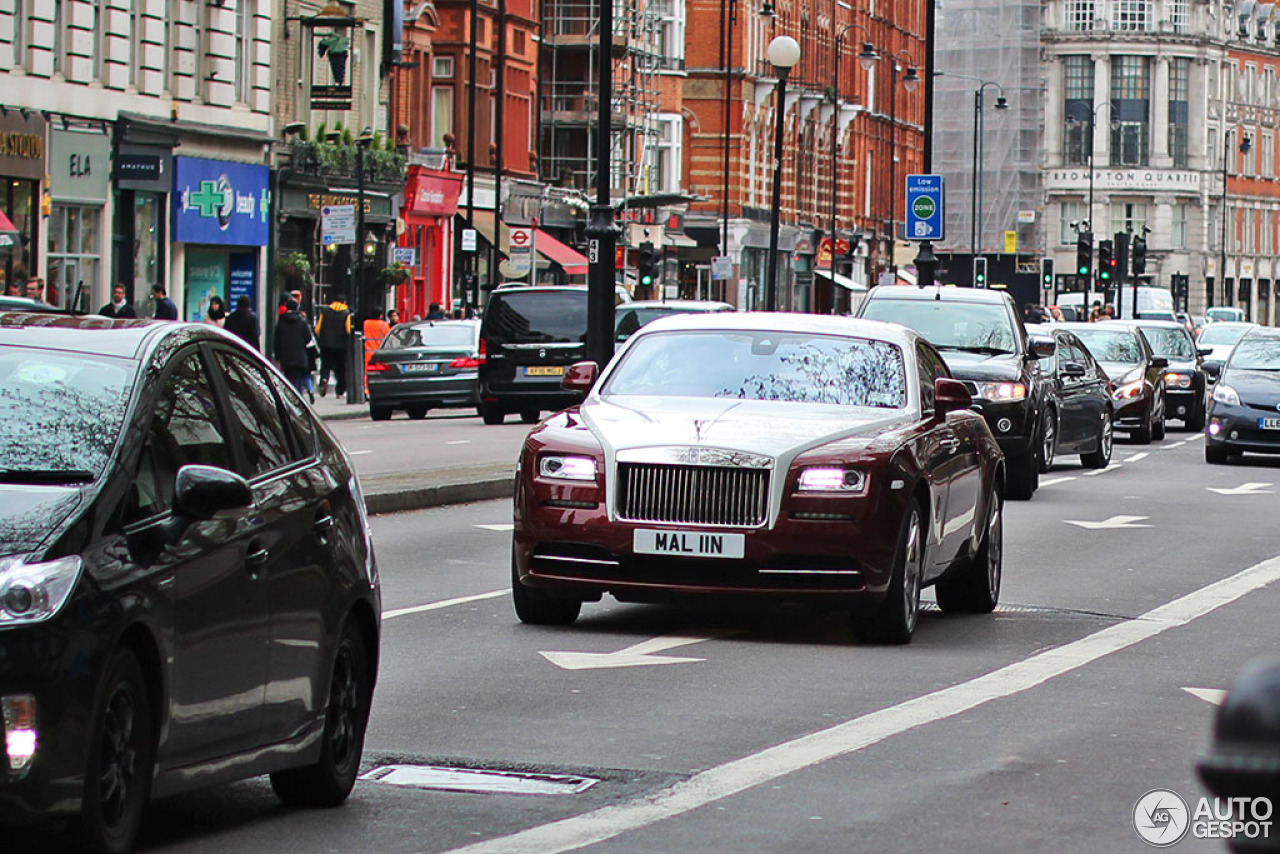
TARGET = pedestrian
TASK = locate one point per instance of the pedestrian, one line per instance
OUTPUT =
(333, 333)
(1108, 313)
(1031, 313)
(1095, 313)
(243, 322)
(166, 309)
(12, 288)
(434, 312)
(1057, 314)
(313, 349)
(393, 317)
(119, 305)
(375, 329)
(35, 289)
(291, 340)
(216, 314)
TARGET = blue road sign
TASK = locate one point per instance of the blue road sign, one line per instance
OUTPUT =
(924, 207)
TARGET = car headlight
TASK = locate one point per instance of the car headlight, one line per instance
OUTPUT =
(831, 479)
(564, 467)
(1002, 391)
(1176, 380)
(33, 592)
(1128, 391)
(1225, 394)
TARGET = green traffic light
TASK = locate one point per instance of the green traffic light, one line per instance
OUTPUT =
(1084, 271)
(1104, 275)
(646, 280)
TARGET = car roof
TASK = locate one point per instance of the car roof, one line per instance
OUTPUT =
(774, 321)
(439, 321)
(1259, 331)
(677, 305)
(944, 293)
(8, 303)
(127, 338)
(1153, 323)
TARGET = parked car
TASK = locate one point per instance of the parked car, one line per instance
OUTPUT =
(1244, 414)
(980, 334)
(1136, 375)
(1220, 339)
(424, 365)
(1224, 314)
(1184, 380)
(1080, 399)
(528, 337)
(780, 455)
(188, 592)
(629, 317)
(25, 304)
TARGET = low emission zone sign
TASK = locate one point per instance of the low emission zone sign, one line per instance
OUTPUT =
(924, 207)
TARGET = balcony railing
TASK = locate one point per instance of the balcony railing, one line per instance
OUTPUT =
(329, 160)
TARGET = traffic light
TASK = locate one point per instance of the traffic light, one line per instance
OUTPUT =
(1106, 261)
(1046, 273)
(979, 272)
(1139, 256)
(1122, 257)
(1084, 254)
(646, 260)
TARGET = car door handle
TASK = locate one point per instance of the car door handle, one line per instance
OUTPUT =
(257, 556)
(324, 524)
(950, 444)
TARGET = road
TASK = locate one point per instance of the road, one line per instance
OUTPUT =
(446, 437)
(1033, 729)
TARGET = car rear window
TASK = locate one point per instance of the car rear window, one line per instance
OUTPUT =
(537, 317)
(431, 335)
(1112, 345)
(1169, 343)
(950, 325)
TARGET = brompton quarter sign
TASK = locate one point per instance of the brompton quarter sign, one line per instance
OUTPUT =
(1123, 179)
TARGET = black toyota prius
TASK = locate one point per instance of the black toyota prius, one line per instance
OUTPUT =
(188, 592)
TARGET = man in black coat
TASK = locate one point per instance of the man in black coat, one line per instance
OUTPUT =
(333, 333)
(119, 305)
(292, 338)
(166, 309)
(244, 322)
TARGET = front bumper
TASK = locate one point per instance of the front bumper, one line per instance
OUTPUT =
(1235, 428)
(1181, 404)
(1013, 424)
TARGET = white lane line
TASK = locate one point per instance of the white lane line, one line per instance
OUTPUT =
(1195, 437)
(1054, 480)
(447, 603)
(501, 526)
(459, 442)
(358, 453)
(1136, 457)
(1111, 467)
(775, 762)
(1209, 695)
(1178, 444)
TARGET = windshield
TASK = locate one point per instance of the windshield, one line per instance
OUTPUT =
(1215, 334)
(59, 413)
(950, 325)
(1111, 345)
(1256, 353)
(431, 335)
(1169, 343)
(797, 368)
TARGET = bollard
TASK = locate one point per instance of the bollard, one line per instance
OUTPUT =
(1244, 761)
(355, 369)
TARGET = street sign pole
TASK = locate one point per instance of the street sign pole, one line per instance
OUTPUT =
(925, 221)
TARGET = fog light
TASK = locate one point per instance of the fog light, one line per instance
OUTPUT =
(1182, 410)
(1004, 425)
(1235, 434)
(1215, 427)
(19, 713)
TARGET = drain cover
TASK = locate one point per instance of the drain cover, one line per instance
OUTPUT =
(481, 781)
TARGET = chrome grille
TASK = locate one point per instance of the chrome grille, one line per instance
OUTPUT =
(696, 495)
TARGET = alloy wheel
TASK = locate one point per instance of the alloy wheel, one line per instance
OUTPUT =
(117, 772)
(344, 707)
(911, 571)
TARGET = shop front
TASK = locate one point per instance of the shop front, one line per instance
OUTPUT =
(220, 231)
(143, 177)
(22, 168)
(431, 201)
(80, 187)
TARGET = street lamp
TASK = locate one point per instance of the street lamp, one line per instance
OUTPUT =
(1245, 145)
(867, 58)
(909, 82)
(1089, 122)
(979, 155)
(783, 52)
(355, 387)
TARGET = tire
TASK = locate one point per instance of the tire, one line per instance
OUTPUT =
(1215, 454)
(1157, 429)
(328, 782)
(1024, 476)
(529, 416)
(417, 412)
(1195, 423)
(122, 745)
(380, 413)
(894, 620)
(540, 607)
(1100, 457)
(492, 415)
(1048, 439)
(1142, 435)
(974, 587)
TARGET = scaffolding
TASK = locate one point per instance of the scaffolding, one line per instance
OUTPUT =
(569, 93)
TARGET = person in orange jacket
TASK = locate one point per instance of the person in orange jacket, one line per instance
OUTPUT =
(376, 329)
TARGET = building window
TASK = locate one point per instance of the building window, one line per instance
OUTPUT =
(441, 114)
(243, 53)
(1072, 212)
(74, 253)
(1079, 15)
(1179, 114)
(1179, 12)
(1268, 155)
(1178, 233)
(1132, 15)
(1128, 216)
(1078, 109)
(442, 67)
(1130, 88)
(667, 154)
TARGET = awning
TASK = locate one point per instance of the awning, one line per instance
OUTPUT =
(482, 221)
(843, 281)
(573, 261)
(672, 238)
(9, 236)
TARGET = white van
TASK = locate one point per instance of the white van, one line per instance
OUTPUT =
(1153, 303)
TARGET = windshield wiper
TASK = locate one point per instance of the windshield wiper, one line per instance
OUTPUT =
(976, 348)
(46, 476)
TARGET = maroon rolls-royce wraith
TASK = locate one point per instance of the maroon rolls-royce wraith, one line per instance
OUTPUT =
(790, 456)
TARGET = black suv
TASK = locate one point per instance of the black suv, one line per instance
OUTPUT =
(982, 338)
(528, 337)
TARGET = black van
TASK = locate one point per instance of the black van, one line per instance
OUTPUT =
(528, 336)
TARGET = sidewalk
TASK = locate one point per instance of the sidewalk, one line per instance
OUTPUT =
(334, 408)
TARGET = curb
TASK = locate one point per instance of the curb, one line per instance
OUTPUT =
(397, 493)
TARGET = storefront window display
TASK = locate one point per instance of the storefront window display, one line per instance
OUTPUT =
(22, 162)
(74, 254)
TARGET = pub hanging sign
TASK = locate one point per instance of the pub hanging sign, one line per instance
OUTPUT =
(329, 32)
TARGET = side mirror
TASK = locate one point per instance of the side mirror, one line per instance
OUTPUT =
(1159, 362)
(949, 395)
(1212, 368)
(201, 492)
(1202, 352)
(1043, 348)
(1072, 369)
(580, 376)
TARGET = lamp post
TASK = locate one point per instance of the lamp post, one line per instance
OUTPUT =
(1246, 145)
(1090, 121)
(979, 154)
(909, 82)
(783, 52)
(355, 386)
(602, 231)
(867, 58)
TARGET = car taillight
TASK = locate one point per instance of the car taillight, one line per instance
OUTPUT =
(377, 367)
(465, 362)
(482, 355)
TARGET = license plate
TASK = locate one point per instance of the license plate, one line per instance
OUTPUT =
(420, 368)
(688, 543)
(544, 371)
(1269, 423)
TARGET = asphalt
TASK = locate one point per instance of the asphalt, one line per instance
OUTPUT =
(431, 487)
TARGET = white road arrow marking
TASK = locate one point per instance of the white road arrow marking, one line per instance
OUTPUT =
(1244, 489)
(636, 655)
(1113, 522)
(1209, 695)
(501, 526)
(1052, 481)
